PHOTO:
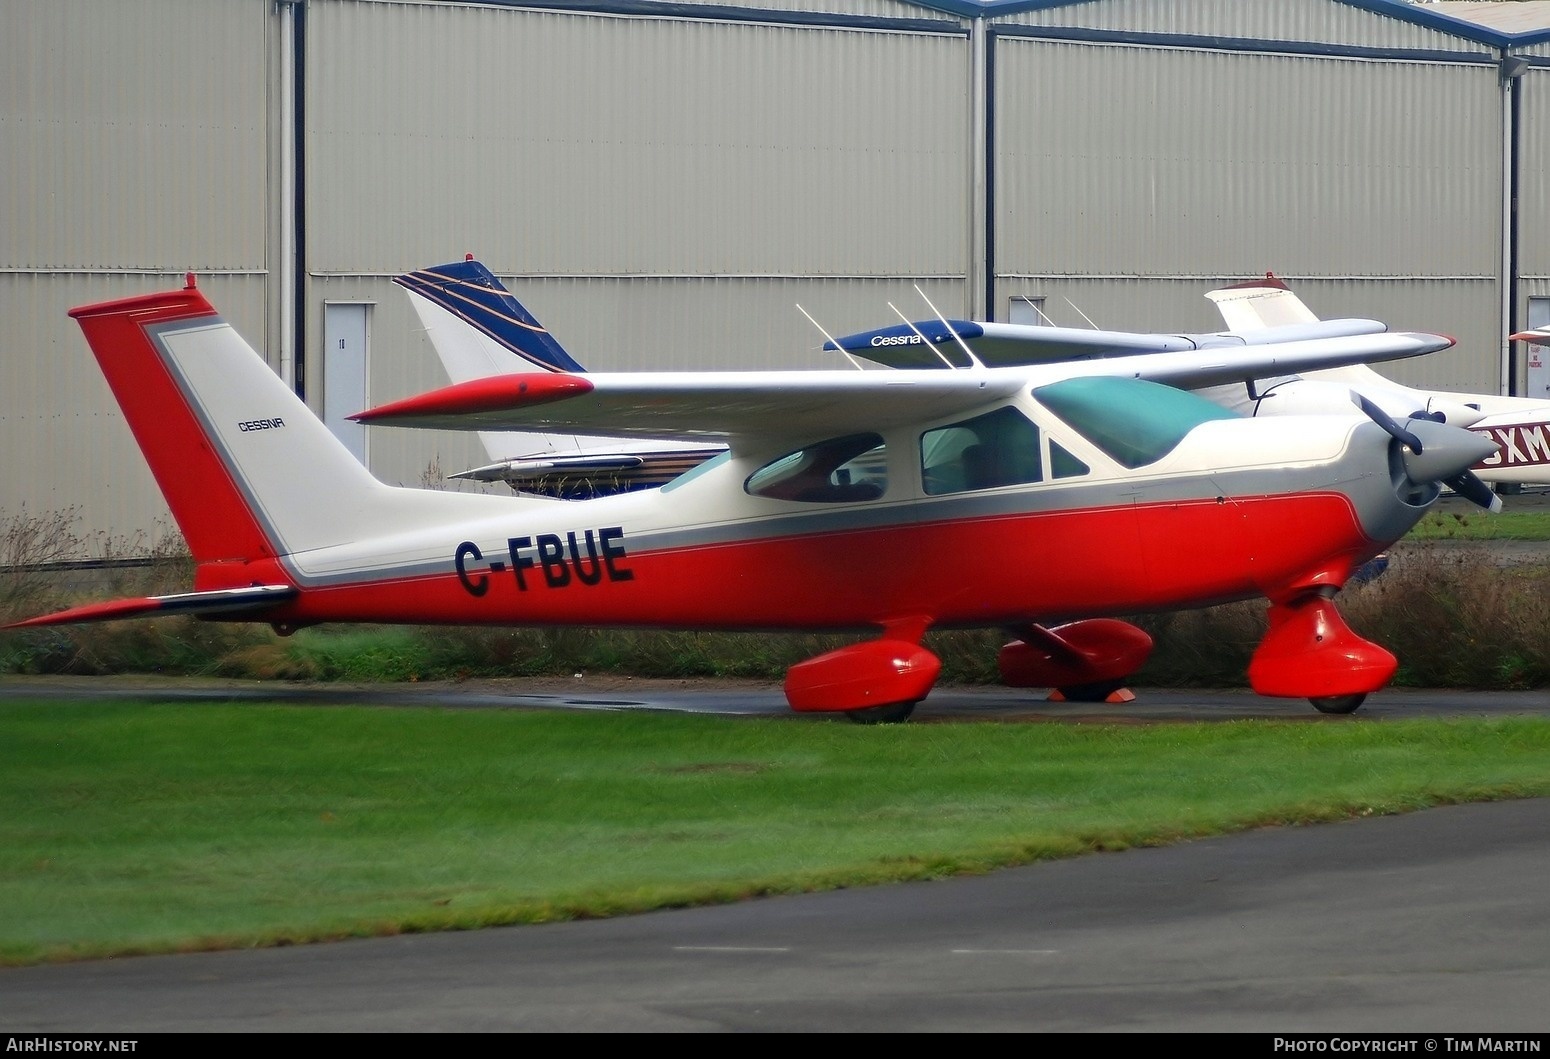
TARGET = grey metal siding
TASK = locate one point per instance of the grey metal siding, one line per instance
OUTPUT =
(134, 146)
(669, 182)
(66, 445)
(577, 144)
(1125, 161)
(133, 135)
(1534, 175)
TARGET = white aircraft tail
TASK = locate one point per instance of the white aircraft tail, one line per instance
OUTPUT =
(249, 472)
(1260, 304)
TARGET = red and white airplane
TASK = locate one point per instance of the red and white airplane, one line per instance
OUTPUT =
(1042, 500)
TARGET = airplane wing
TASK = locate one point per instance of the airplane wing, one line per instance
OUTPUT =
(942, 344)
(730, 405)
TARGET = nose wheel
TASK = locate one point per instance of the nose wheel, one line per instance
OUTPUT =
(1338, 703)
(891, 713)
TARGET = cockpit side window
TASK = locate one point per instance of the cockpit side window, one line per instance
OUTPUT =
(838, 471)
(1134, 421)
(986, 452)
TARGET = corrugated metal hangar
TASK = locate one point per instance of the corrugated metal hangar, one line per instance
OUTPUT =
(662, 183)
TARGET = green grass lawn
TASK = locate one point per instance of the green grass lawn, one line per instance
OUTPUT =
(1472, 524)
(131, 828)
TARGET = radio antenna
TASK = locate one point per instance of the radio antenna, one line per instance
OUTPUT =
(973, 360)
(930, 344)
(832, 341)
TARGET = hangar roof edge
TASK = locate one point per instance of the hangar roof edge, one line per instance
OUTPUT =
(1423, 14)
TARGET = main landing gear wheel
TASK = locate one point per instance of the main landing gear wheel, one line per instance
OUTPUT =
(1097, 691)
(1338, 703)
(890, 713)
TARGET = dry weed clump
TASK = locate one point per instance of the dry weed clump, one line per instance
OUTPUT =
(28, 545)
(1457, 618)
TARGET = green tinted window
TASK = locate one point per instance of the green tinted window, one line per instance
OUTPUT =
(986, 452)
(1134, 421)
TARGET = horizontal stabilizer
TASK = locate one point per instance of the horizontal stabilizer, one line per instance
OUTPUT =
(247, 601)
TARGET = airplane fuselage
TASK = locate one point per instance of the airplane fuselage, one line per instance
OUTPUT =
(707, 554)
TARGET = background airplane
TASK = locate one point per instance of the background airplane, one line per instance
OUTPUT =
(478, 329)
(1041, 500)
(1256, 313)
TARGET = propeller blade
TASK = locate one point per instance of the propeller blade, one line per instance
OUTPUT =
(1469, 486)
(1386, 421)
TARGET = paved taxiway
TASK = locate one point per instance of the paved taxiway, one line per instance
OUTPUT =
(1434, 922)
(1430, 922)
(752, 699)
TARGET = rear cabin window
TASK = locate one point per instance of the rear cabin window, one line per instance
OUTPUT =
(839, 471)
(986, 452)
(1134, 421)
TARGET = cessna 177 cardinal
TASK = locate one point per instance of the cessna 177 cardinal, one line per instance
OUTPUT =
(890, 501)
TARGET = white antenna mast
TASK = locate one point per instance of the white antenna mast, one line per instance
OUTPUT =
(1083, 315)
(854, 362)
(929, 344)
(950, 329)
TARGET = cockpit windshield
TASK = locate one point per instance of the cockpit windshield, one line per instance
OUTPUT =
(1134, 421)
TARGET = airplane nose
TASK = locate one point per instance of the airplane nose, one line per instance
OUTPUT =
(1446, 451)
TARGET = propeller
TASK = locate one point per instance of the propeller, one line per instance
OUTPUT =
(1386, 421)
(1469, 486)
(1446, 458)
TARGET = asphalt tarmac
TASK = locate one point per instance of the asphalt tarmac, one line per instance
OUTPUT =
(1431, 923)
(731, 698)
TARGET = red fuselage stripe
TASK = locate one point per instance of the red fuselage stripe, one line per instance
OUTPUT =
(969, 572)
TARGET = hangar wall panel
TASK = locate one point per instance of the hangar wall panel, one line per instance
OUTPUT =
(1125, 160)
(564, 143)
(134, 135)
(1302, 21)
(1146, 162)
(66, 444)
(1534, 175)
(134, 145)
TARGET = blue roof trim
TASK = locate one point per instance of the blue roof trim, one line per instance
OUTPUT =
(1286, 47)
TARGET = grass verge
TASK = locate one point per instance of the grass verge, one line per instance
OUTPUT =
(130, 828)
